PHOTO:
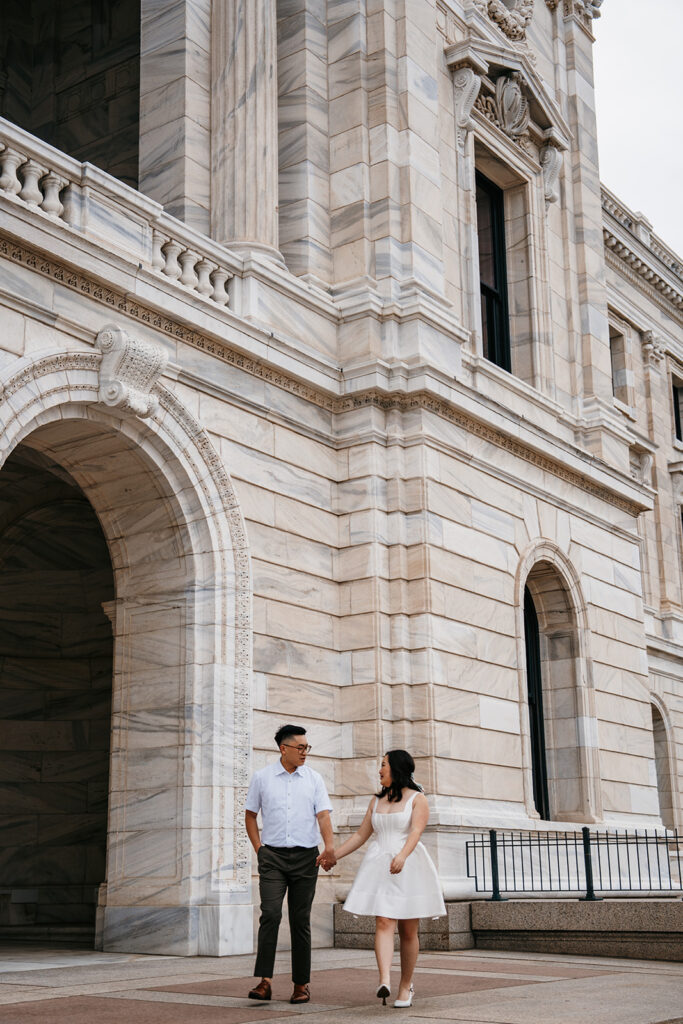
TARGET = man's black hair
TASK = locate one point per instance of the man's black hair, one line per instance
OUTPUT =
(285, 731)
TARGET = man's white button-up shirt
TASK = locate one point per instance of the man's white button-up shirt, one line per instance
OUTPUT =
(288, 804)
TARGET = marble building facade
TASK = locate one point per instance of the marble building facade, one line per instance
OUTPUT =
(259, 465)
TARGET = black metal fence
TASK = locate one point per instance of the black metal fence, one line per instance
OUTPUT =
(627, 860)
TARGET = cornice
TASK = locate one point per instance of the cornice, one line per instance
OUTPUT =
(628, 263)
(333, 403)
(633, 248)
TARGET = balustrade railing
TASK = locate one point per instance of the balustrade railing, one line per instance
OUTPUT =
(624, 861)
(44, 180)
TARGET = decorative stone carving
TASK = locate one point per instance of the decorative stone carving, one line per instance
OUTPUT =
(128, 371)
(512, 20)
(585, 10)
(641, 463)
(466, 84)
(551, 162)
(653, 350)
(511, 106)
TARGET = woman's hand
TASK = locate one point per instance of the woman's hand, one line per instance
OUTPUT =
(397, 863)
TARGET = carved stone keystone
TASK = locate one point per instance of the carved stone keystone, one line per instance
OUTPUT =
(128, 371)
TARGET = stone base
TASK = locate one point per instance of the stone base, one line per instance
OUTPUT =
(450, 932)
(176, 931)
(644, 929)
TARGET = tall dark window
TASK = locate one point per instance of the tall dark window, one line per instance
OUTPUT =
(493, 272)
(678, 409)
(536, 721)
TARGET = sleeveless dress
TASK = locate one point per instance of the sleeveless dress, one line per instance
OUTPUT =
(413, 892)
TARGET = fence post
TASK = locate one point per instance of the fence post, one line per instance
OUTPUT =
(588, 864)
(495, 879)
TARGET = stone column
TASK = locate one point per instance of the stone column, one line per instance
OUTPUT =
(244, 128)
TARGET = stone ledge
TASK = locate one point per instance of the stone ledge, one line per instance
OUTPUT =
(644, 929)
(617, 915)
(443, 933)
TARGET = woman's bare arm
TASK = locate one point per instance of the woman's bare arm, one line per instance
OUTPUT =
(357, 839)
(418, 823)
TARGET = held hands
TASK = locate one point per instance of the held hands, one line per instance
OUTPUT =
(397, 863)
(327, 859)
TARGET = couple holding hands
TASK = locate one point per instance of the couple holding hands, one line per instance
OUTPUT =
(396, 881)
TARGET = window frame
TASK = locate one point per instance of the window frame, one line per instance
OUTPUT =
(496, 300)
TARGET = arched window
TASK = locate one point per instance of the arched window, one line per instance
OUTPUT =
(539, 763)
(663, 768)
(561, 747)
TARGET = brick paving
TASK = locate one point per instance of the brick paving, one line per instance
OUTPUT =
(62, 986)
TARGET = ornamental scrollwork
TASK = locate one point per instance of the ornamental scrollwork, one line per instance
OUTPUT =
(511, 105)
(129, 370)
(551, 162)
(466, 85)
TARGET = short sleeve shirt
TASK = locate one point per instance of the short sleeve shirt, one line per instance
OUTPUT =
(289, 803)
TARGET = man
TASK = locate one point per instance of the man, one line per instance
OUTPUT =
(295, 811)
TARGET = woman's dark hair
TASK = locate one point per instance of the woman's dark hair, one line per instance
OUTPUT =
(285, 731)
(401, 766)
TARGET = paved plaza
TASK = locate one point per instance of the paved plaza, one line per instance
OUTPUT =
(73, 986)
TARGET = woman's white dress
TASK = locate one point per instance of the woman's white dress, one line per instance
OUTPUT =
(413, 892)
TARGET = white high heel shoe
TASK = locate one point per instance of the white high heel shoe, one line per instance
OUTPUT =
(408, 1001)
(382, 993)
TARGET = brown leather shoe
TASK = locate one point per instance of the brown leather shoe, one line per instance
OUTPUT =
(261, 991)
(301, 994)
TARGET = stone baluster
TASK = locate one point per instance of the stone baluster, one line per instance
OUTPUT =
(11, 160)
(158, 259)
(171, 268)
(219, 278)
(244, 126)
(203, 269)
(187, 260)
(52, 186)
(32, 172)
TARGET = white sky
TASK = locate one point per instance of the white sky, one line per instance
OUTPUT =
(638, 57)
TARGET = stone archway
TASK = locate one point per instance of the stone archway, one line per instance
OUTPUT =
(178, 871)
(55, 702)
(572, 756)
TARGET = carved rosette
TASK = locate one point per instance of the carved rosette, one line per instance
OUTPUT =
(466, 84)
(128, 371)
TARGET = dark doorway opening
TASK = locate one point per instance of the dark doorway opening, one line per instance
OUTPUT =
(539, 764)
(55, 702)
(70, 74)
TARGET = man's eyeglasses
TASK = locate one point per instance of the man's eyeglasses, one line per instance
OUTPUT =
(303, 748)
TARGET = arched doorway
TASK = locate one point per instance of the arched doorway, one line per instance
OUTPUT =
(55, 694)
(558, 723)
(178, 870)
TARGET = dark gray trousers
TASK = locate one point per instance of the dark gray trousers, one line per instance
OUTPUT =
(290, 870)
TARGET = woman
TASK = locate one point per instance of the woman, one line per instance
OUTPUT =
(397, 880)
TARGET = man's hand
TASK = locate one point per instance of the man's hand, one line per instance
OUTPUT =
(327, 859)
